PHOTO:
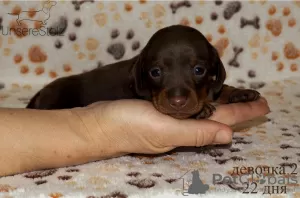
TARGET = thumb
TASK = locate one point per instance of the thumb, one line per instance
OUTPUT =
(195, 133)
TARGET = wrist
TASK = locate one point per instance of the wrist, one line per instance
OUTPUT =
(33, 140)
(55, 141)
(38, 139)
(95, 134)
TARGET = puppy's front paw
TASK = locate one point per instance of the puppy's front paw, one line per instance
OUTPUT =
(243, 95)
(206, 112)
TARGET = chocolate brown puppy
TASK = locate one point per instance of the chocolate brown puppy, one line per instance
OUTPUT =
(178, 70)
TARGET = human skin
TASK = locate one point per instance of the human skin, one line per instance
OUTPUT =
(40, 139)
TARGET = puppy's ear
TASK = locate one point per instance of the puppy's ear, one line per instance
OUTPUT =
(139, 76)
(218, 70)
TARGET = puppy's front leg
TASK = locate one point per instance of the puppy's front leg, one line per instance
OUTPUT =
(230, 94)
(227, 95)
(206, 111)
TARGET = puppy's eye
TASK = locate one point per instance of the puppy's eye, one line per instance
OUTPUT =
(199, 70)
(155, 72)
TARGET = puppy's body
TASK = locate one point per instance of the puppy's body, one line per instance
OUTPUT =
(111, 82)
(178, 70)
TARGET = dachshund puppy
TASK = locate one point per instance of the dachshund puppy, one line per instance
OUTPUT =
(178, 70)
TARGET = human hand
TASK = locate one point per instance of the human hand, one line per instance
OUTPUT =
(135, 126)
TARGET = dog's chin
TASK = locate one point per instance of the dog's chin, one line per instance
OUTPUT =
(183, 114)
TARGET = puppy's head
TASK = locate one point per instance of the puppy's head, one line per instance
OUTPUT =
(177, 69)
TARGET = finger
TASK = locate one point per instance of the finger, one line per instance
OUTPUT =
(177, 133)
(235, 113)
(92, 105)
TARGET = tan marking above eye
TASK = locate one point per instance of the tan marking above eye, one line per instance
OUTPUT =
(193, 62)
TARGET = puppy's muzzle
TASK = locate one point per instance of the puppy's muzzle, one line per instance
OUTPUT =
(178, 97)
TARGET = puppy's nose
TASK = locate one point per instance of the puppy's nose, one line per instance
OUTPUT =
(178, 101)
(178, 97)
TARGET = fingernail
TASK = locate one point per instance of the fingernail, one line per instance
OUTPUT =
(223, 137)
